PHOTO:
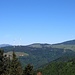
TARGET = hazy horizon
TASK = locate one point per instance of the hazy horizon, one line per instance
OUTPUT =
(35, 43)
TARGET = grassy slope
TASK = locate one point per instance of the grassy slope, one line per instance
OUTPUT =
(71, 47)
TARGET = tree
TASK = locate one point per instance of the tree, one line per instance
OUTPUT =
(28, 70)
(16, 68)
(1, 62)
(6, 66)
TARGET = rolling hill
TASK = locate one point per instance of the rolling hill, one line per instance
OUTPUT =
(41, 54)
(59, 67)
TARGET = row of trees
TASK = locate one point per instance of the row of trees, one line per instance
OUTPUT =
(13, 66)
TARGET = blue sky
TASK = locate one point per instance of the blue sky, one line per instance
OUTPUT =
(36, 21)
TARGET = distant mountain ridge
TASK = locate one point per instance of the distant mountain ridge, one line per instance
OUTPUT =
(4, 45)
(40, 45)
(40, 54)
(70, 42)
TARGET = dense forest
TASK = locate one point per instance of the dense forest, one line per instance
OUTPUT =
(39, 55)
(59, 68)
(12, 66)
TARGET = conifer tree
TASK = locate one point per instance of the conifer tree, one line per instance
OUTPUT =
(1, 62)
(16, 68)
(28, 70)
(6, 65)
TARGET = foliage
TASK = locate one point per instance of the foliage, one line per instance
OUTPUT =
(1, 62)
(4, 67)
(15, 68)
(65, 65)
(38, 56)
(60, 68)
(28, 70)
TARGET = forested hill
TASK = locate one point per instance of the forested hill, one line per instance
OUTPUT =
(59, 68)
(38, 56)
(41, 54)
